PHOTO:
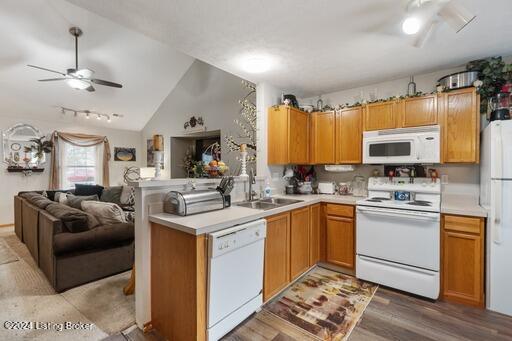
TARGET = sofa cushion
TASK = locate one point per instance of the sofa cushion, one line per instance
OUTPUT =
(74, 220)
(81, 189)
(101, 237)
(75, 201)
(106, 212)
(112, 194)
(36, 199)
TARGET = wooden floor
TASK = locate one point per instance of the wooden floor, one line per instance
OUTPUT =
(391, 315)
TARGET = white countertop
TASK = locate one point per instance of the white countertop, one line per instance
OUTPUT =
(462, 205)
(217, 220)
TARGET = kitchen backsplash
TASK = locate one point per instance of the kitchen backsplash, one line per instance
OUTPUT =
(461, 179)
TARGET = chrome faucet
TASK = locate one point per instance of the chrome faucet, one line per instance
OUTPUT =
(252, 181)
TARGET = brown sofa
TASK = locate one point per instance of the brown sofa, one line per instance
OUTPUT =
(70, 259)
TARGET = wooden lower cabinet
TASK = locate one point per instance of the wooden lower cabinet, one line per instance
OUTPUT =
(315, 212)
(277, 255)
(299, 242)
(340, 241)
(462, 260)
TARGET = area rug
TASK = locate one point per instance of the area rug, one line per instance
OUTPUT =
(26, 295)
(324, 303)
(6, 255)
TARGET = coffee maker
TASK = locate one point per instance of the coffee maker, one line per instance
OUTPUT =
(500, 106)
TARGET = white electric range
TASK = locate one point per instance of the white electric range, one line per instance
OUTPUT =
(398, 233)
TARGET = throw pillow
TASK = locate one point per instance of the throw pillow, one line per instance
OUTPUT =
(127, 196)
(112, 194)
(63, 199)
(81, 189)
(41, 201)
(106, 212)
(74, 220)
(75, 201)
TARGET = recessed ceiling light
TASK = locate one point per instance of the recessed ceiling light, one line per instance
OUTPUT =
(411, 25)
(256, 64)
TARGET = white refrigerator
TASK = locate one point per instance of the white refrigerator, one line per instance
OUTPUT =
(496, 197)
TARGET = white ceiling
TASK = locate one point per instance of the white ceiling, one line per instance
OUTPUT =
(318, 46)
(36, 32)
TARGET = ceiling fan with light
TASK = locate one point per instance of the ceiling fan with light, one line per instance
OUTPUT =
(423, 16)
(80, 79)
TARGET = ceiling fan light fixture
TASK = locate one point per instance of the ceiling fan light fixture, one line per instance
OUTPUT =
(77, 84)
(456, 16)
(411, 25)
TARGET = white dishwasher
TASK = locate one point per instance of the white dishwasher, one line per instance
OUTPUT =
(235, 281)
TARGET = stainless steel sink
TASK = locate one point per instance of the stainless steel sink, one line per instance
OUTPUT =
(268, 203)
(280, 201)
(257, 205)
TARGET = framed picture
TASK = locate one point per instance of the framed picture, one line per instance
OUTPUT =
(124, 154)
(150, 157)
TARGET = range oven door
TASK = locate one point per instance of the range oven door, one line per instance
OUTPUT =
(382, 150)
(400, 236)
(399, 249)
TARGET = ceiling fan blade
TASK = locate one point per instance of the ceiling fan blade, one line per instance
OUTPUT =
(45, 69)
(52, 79)
(90, 88)
(107, 83)
(425, 33)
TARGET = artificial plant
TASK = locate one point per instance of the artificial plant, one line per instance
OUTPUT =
(246, 123)
(40, 147)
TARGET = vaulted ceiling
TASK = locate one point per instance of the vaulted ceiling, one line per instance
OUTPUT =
(36, 32)
(317, 46)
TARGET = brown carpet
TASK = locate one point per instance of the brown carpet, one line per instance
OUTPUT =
(26, 295)
(324, 303)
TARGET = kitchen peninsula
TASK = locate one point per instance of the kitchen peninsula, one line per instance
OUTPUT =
(179, 249)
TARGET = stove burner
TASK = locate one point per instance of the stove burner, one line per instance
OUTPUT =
(374, 200)
(420, 203)
(380, 198)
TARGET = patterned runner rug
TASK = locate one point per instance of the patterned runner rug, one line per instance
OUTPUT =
(324, 303)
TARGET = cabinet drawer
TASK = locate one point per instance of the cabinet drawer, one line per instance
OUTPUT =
(340, 210)
(462, 224)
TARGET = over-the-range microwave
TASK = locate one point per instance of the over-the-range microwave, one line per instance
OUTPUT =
(402, 145)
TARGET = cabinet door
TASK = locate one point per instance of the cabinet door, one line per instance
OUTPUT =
(314, 233)
(349, 136)
(299, 242)
(340, 241)
(322, 137)
(277, 255)
(462, 270)
(298, 142)
(379, 116)
(418, 111)
(461, 126)
(277, 135)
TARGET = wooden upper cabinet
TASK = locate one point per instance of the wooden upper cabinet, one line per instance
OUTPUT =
(381, 115)
(460, 121)
(323, 129)
(417, 111)
(288, 136)
(299, 242)
(462, 260)
(277, 255)
(349, 135)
